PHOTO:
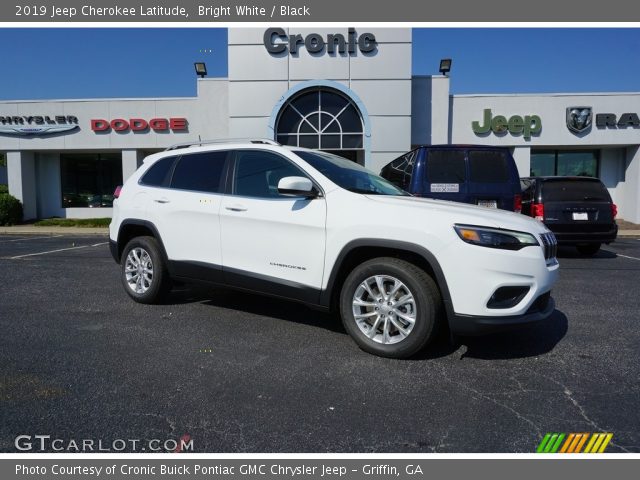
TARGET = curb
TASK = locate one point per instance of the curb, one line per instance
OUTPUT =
(44, 231)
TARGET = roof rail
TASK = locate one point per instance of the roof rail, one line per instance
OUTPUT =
(199, 143)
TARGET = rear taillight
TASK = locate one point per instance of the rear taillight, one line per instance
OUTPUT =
(117, 192)
(614, 210)
(537, 211)
(517, 203)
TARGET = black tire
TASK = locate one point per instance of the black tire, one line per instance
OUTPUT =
(160, 284)
(589, 249)
(427, 301)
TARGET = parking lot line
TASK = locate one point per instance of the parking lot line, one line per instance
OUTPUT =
(627, 256)
(58, 250)
(24, 239)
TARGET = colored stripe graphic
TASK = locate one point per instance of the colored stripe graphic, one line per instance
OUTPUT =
(567, 443)
(573, 442)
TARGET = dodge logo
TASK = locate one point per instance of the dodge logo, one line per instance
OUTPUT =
(579, 119)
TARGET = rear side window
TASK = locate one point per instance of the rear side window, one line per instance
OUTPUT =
(400, 170)
(158, 174)
(200, 172)
(489, 166)
(446, 166)
(574, 190)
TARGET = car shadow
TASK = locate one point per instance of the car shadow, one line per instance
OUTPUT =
(572, 252)
(255, 304)
(530, 341)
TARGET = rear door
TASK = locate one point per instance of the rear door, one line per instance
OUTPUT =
(492, 179)
(445, 175)
(187, 214)
(576, 205)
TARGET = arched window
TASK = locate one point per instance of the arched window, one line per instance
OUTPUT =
(321, 118)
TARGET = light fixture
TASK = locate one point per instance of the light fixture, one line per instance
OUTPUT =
(445, 66)
(201, 69)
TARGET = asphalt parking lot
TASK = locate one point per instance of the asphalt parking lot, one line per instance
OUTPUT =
(242, 373)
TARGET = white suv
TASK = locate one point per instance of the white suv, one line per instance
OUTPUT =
(313, 227)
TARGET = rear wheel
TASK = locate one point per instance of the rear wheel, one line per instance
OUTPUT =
(588, 249)
(144, 273)
(390, 307)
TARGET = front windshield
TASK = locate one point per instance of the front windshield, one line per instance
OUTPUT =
(348, 175)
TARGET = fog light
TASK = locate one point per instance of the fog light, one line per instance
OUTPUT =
(507, 297)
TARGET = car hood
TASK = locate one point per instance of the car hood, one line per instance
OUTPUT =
(463, 213)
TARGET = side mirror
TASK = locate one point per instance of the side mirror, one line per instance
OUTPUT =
(297, 187)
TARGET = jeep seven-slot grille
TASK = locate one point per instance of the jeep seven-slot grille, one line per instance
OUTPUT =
(549, 245)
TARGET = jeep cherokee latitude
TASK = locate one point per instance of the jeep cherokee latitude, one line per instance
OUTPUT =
(313, 227)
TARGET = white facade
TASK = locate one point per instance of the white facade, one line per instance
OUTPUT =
(379, 82)
(616, 146)
(396, 111)
(33, 161)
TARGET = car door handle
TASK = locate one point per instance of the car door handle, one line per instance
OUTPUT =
(162, 200)
(236, 208)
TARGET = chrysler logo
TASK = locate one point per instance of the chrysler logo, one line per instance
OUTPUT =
(37, 124)
(579, 119)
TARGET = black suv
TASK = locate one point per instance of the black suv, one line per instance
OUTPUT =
(578, 210)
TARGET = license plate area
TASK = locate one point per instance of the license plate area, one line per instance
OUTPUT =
(580, 216)
(488, 203)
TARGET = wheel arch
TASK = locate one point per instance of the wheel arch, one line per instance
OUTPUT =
(132, 228)
(358, 251)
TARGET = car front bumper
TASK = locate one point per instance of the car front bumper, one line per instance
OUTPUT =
(540, 310)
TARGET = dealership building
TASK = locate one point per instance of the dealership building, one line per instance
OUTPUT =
(346, 90)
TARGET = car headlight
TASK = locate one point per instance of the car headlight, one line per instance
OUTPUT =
(495, 237)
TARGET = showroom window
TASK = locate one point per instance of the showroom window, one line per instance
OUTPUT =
(89, 180)
(582, 163)
(320, 118)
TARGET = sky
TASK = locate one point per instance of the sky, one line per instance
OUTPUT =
(60, 63)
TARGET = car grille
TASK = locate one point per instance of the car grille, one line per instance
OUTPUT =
(549, 245)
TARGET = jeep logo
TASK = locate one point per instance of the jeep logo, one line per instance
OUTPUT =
(277, 41)
(516, 125)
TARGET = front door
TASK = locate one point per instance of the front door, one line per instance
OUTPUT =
(270, 242)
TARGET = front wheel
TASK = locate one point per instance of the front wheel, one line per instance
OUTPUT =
(390, 307)
(144, 273)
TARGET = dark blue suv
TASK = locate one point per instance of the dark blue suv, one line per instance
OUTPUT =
(476, 174)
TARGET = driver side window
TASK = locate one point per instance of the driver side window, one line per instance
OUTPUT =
(257, 173)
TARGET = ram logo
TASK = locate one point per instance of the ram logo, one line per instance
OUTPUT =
(579, 119)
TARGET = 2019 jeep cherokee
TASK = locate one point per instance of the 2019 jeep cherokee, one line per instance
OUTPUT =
(313, 227)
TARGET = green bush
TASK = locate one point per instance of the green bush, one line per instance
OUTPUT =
(73, 222)
(10, 209)
(4, 188)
